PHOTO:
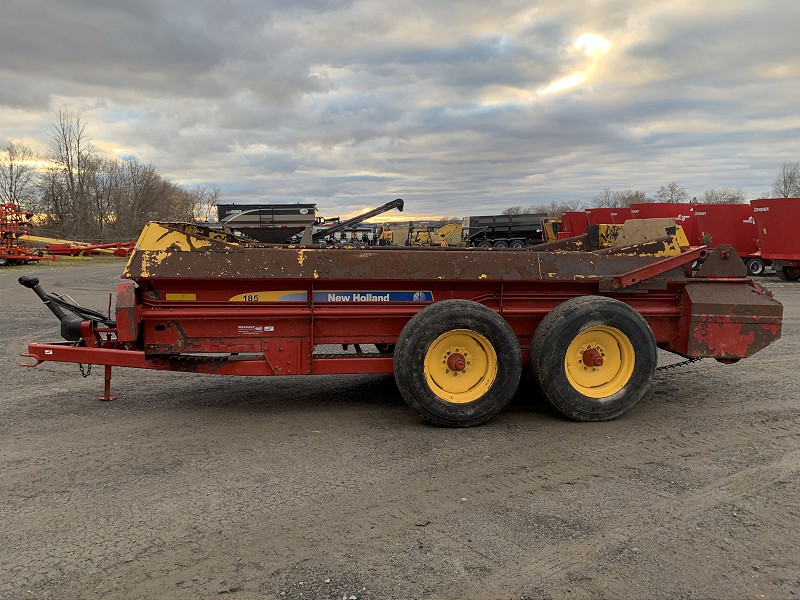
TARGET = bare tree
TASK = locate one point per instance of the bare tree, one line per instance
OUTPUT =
(671, 192)
(628, 197)
(787, 183)
(70, 156)
(608, 198)
(53, 199)
(554, 209)
(204, 199)
(723, 196)
(512, 210)
(103, 181)
(17, 175)
(86, 196)
(138, 198)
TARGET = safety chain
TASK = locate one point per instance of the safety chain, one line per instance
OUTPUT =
(680, 364)
(85, 373)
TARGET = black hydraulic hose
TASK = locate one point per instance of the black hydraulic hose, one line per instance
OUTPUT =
(88, 313)
(55, 303)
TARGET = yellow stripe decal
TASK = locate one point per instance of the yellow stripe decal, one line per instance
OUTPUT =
(271, 296)
(179, 297)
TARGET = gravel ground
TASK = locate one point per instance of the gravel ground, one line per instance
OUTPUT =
(196, 486)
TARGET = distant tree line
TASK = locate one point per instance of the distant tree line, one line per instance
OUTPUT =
(785, 185)
(77, 193)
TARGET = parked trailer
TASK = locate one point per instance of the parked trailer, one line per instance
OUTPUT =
(270, 223)
(776, 220)
(732, 224)
(455, 325)
(503, 231)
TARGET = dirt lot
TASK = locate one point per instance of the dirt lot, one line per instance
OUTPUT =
(193, 486)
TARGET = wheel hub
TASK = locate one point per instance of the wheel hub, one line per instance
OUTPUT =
(456, 361)
(592, 357)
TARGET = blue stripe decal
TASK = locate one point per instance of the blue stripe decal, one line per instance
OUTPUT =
(360, 296)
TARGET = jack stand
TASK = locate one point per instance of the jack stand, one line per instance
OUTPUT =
(107, 387)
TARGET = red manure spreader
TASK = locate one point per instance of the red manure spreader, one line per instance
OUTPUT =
(777, 221)
(732, 224)
(455, 326)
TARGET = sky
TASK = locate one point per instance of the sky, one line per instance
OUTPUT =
(461, 107)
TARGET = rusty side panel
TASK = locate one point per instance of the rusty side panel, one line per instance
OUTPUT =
(128, 312)
(730, 320)
(167, 251)
(377, 264)
(578, 243)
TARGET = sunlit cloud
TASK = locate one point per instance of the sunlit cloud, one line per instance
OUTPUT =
(592, 45)
(595, 47)
(38, 165)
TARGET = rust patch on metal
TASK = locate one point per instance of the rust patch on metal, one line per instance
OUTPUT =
(726, 338)
(127, 312)
(731, 320)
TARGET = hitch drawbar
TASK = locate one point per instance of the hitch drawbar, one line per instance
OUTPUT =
(77, 324)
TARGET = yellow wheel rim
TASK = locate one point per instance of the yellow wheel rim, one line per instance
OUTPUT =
(460, 366)
(599, 361)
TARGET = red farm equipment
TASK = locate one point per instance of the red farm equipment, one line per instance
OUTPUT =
(777, 220)
(731, 224)
(455, 325)
(120, 249)
(573, 223)
(14, 224)
(608, 216)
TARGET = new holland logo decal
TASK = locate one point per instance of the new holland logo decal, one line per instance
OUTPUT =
(334, 296)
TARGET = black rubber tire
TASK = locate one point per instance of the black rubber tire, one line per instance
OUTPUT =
(555, 334)
(3, 261)
(788, 273)
(517, 244)
(417, 337)
(755, 267)
(500, 244)
(485, 244)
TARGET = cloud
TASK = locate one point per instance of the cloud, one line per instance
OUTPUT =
(351, 103)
